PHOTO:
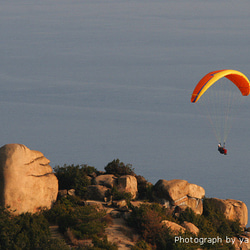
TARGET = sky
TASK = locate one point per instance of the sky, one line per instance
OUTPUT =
(86, 82)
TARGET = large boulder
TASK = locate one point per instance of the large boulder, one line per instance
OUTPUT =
(107, 180)
(180, 193)
(128, 184)
(174, 227)
(191, 227)
(27, 183)
(232, 209)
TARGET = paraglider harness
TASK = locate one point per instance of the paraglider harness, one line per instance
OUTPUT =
(221, 149)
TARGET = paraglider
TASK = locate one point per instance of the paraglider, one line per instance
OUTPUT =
(219, 105)
(221, 149)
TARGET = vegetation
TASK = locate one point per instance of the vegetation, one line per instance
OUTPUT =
(85, 222)
(118, 168)
(141, 245)
(80, 222)
(117, 195)
(147, 220)
(145, 189)
(74, 177)
(25, 231)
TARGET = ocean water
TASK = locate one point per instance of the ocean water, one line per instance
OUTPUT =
(86, 82)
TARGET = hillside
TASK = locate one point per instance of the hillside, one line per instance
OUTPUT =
(111, 209)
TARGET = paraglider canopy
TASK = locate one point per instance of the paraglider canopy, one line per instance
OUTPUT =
(239, 79)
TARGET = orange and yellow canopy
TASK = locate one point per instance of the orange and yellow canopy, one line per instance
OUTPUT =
(239, 79)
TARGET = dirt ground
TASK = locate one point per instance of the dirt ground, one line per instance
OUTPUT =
(121, 234)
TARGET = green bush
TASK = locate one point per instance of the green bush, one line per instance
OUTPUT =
(118, 168)
(62, 207)
(140, 245)
(84, 221)
(147, 221)
(74, 177)
(145, 189)
(88, 224)
(57, 244)
(118, 195)
(25, 231)
(103, 244)
(220, 223)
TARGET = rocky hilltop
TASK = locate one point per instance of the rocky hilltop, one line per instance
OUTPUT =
(28, 184)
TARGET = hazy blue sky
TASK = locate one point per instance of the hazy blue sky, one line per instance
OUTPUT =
(91, 81)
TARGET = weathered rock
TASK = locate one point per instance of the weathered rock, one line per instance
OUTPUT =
(239, 244)
(71, 192)
(173, 189)
(188, 202)
(138, 203)
(128, 184)
(246, 240)
(191, 227)
(174, 227)
(180, 193)
(107, 180)
(97, 192)
(99, 205)
(119, 203)
(27, 183)
(177, 189)
(233, 209)
(62, 193)
(195, 191)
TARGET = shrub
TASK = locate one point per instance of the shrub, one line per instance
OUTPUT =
(84, 221)
(220, 223)
(74, 177)
(62, 207)
(25, 231)
(147, 221)
(118, 168)
(103, 244)
(190, 216)
(119, 195)
(141, 245)
(145, 189)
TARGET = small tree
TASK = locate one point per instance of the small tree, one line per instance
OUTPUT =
(118, 168)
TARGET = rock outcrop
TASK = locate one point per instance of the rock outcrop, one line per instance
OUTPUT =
(128, 184)
(180, 193)
(174, 227)
(107, 180)
(101, 190)
(232, 209)
(27, 183)
(191, 227)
